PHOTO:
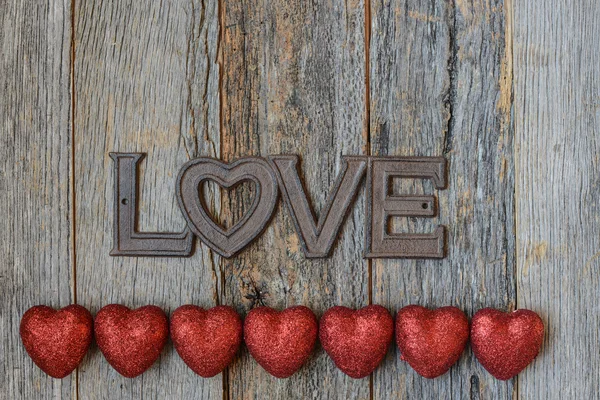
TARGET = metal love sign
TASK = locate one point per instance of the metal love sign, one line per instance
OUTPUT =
(281, 174)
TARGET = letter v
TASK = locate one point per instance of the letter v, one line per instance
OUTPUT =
(318, 238)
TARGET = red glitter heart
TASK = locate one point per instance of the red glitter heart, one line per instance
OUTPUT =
(206, 340)
(357, 341)
(280, 341)
(55, 340)
(131, 340)
(505, 343)
(431, 341)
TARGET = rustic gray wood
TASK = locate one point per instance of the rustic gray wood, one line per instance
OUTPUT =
(557, 82)
(36, 261)
(294, 82)
(146, 80)
(440, 85)
(229, 79)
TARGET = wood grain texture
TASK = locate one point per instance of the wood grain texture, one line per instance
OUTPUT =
(294, 82)
(439, 73)
(146, 80)
(232, 78)
(557, 120)
(35, 191)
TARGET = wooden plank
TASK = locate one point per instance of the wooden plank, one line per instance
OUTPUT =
(294, 82)
(146, 81)
(35, 191)
(557, 82)
(441, 85)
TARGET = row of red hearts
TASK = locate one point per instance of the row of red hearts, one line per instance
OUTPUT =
(207, 340)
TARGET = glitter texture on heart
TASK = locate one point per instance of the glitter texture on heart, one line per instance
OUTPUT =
(356, 340)
(281, 342)
(505, 343)
(431, 341)
(206, 340)
(56, 340)
(131, 340)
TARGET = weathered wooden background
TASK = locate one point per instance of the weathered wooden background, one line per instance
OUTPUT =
(507, 90)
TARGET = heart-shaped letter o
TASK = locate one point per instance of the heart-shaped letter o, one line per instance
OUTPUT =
(254, 169)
